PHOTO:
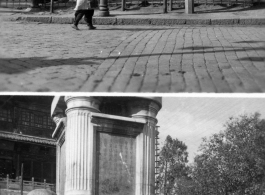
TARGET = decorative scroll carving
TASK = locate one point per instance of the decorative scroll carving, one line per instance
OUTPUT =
(59, 132)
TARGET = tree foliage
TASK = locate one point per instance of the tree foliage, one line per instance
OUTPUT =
(232, 162)
(173, 160)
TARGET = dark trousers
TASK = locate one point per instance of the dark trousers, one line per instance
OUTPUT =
(88, 16)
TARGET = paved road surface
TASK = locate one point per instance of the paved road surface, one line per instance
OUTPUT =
(54, 57)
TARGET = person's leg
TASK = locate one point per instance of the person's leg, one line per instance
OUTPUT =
(88, 18)
(78, 16)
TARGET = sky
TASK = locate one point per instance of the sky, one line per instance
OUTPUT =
(190, 118)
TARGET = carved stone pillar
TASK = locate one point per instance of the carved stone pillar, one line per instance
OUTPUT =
(80, 145)
(145, 109)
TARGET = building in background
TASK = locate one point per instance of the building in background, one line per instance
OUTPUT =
(26, 137)
(125, 131)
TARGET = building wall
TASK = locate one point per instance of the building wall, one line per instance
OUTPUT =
(39, 161)
(26, 137)
(25, 120)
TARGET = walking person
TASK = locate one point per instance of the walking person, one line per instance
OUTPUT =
(82, 9)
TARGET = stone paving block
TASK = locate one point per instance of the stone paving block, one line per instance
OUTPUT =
(62, 20)
(42, 19)
(163, 83)
(121, 82)
(224, 21)
(252, 21)
(205, 80)
(198, 21)
(104, 21)
(177, 82)
(135, 83)
(168, 22)
(133, 21)
(138, 58)
(192, 83)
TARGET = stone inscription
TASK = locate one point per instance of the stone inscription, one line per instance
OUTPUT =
(116, 165)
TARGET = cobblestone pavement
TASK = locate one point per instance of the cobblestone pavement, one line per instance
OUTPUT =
(54, 57)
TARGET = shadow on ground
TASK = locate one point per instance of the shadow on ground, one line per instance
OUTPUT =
(18, 65)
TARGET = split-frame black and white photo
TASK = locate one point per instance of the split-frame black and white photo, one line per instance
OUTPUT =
(116, 145)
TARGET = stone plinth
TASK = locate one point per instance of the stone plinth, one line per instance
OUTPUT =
(104, 153)
(146, 110)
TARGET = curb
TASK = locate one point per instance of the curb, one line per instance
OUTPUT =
(142, 21)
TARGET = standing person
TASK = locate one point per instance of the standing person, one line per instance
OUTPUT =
(82, 9)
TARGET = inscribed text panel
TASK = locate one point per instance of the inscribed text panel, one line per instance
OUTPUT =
(116, 164)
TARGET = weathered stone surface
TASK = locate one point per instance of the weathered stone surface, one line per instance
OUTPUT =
(62, 20)
(41, 192)
(224, 21)
(38, 19)
(116, 164)
(198, 21)
(139, 21)
(15, 18)
(252, 21)
(169, 22)
(104, 21)
(121, 58)
(133, 21)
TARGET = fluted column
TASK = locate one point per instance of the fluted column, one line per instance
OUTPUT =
(145, 109)
(80, 147)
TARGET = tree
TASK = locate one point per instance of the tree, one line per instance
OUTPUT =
(173, 160)
(233, 161)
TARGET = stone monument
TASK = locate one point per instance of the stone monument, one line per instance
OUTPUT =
(105, 145)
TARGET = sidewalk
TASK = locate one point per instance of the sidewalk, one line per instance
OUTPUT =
(40, 57)
(154, 16)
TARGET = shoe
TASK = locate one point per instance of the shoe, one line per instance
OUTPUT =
(91, 27)
(75, 27)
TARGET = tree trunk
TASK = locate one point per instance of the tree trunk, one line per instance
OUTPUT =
(165, 180)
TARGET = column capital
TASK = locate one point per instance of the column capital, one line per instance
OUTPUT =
(145, 108)
(82, 103)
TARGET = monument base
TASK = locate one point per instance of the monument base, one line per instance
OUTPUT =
(78, 192)
(103, 13)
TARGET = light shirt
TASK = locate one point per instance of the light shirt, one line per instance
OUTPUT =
(81, 4)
